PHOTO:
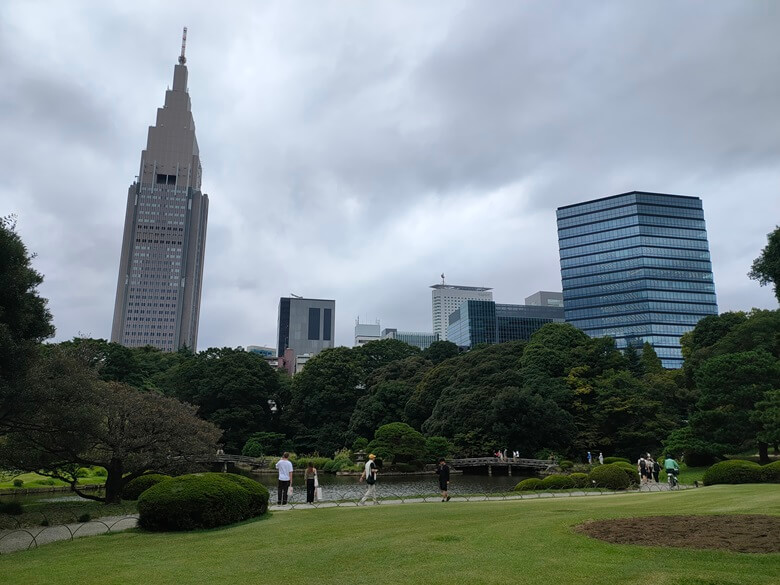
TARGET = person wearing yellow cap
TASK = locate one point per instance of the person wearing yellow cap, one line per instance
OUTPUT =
(369, 475)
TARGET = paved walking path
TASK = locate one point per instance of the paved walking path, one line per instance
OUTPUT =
(17, 539)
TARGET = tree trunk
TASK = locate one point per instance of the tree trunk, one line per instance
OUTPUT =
(763, 453)
(114, 482)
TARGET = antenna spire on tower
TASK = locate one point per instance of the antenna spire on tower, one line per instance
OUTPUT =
(182, 58)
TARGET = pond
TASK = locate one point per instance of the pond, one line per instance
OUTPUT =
(347, 487)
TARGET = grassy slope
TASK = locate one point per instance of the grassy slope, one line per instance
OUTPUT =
(478, 542)
(33, 480)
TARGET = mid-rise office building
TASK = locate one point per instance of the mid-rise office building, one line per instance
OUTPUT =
(446, 298)
(365, 332)
(636, 267)
(416, 338)
(476, 322)
(306, 325)
(161, 263)
(545, 298)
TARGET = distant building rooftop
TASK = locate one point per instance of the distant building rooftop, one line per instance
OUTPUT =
(458, 287)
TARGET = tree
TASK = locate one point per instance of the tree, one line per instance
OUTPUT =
(437, 448)
(731, 385)
(384, 404)
(25, 321)
(649, 362)
(324, 395)
(766, 268)
(438, 351)
(375, 354)
(399, 443)
(232, 389)
(265, 443)
(79, 420)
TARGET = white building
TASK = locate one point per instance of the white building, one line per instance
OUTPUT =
(365, 332)
(446, 298)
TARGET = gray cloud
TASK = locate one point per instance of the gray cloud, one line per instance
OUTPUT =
(356, 151)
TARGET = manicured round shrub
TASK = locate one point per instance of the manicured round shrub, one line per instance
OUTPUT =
(609, 476)
(557, 482)
(771, 473)
(135, 487)
(18, 483)
(99, 472)
(188, 502)
(566, 464)
(528, 485)
(733, 471)
(608, 460)
(629, 470)
(580, 480)
(83, 472)
(258, 493)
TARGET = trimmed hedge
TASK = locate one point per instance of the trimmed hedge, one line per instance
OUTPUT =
(771, 473)
(733, 471)
(566, 464)
(580, 480)
(530, 484)
(629, 470)
(608, 460)
(609, 476)
(557, 482)
(258, 493)
(201, 500)
(135, 487)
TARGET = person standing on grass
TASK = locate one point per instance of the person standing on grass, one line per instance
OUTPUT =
(310, 475)
(444, 479)
(369, 475)
(285, 468)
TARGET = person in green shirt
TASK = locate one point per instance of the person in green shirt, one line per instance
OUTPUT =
(672, 469)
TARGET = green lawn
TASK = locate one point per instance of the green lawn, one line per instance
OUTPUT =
(478, 542)
(33, 480)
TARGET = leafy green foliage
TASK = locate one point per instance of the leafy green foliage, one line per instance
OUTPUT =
(232, 389)
(683, 444)
(581, 480)
(438, 351)
(437, 448)
(733, 471)
(770, 473)
(398, 443)
(135, 487)
(265, 443)
(206, 500)
(25, 321)
(766, 268)
(609, 476)
(557, 482)
(608, 460)
(530, 484)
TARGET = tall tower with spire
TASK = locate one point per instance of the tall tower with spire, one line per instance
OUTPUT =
(161, 264)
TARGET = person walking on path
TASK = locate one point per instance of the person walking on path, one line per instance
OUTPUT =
(369, 475)
(310, 475)
(444, 479)
(601, 458)
(641, 467)
(590, 458)
(656, 470)
(285, 469)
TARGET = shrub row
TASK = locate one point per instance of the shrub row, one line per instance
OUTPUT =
(201, 500)
(614, 476)
(738, 471)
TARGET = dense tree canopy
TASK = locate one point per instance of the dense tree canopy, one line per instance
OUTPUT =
(766, 268)
(25, 320)
(76, 419)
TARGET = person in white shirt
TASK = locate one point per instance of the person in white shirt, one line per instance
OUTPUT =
(285, 468)
(369, 475)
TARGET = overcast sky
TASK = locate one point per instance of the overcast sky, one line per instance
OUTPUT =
(356, 150)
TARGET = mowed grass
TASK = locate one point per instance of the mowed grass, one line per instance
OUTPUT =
(529, 541)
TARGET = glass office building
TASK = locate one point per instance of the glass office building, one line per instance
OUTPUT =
(476, 322)
(636, 267)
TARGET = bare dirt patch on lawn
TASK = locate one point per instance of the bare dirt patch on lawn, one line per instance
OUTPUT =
(741, 533)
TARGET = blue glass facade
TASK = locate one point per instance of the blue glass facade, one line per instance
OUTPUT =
(478, 322)
(636, 267)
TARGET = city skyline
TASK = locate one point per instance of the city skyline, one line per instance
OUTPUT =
(358, 154)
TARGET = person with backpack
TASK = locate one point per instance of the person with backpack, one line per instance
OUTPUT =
(369, 475)
(656, 471)
(641, 467)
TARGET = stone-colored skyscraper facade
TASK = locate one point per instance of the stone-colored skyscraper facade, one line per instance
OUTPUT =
(161, 265)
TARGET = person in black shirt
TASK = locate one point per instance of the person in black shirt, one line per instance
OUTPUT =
(444, 480)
